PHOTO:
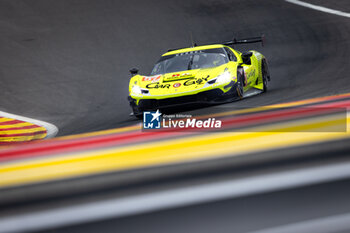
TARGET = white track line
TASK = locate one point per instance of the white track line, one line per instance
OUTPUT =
(335, 223)
(51, 129)
(319, 8)
(177, 197)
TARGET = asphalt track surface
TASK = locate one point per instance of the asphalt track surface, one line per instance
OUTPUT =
(66, 62)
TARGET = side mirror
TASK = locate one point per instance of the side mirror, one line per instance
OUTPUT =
(246, 57)
(134, 71)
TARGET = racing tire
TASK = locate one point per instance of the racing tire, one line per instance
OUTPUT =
(138, 116)
(265, 75)
(137, 113)
(240, 80)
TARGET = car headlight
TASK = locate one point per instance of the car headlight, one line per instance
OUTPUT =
(224, 78)
(220, 79)
(136, 90)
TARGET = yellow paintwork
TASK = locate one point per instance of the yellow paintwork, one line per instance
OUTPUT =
(190, 82)
(185, 89)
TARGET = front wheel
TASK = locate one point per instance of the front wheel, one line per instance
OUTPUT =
(240, 80)
(139, 116)
(137, 113)
(135, 110)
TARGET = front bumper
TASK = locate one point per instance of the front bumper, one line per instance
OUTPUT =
(210, 96)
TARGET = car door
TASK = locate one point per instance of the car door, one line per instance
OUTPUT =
(251, 72)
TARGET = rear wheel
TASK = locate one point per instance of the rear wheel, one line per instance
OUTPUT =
(265, 75)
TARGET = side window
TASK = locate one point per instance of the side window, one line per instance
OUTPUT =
(230, 54)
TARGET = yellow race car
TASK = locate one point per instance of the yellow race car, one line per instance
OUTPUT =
(213, 73)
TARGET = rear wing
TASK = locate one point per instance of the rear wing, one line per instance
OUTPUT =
(235, 41)
(246, 41)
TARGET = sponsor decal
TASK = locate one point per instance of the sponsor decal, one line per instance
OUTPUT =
(196, 81)
(189, 82)
(251, 74)
(153, 79)
(180, 75)
(157, 86)
(190, 52)
(247, 76)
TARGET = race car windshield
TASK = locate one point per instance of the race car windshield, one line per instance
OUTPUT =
(200, 59)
